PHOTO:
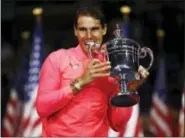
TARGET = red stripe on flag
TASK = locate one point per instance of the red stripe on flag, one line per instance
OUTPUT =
(26, 123)
(136, 130)
(159, 131)
(121, 133)
(5, 133)
(12, 102)
(9, 118)
(37, 122)
(165, 118)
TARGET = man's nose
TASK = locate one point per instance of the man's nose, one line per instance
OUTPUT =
(89, 34)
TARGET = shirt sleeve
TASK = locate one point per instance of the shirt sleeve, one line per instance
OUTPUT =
(118, 116)
(51, 97)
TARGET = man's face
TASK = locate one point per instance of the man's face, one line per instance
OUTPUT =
(89, 29)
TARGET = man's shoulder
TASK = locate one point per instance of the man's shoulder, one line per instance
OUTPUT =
(60, 56)
(61, 53)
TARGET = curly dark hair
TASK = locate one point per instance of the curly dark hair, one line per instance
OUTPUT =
(92, 12)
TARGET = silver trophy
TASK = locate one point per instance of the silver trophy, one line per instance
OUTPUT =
(124, 55)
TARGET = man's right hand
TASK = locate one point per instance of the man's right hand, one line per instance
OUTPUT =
(95, 69)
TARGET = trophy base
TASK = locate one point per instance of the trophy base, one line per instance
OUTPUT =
(125, 100)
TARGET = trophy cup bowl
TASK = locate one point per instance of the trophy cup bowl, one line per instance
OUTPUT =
(124, 55)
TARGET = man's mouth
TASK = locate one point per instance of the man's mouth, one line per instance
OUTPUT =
(92, 44)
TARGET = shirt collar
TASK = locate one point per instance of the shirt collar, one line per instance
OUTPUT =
(80, 53)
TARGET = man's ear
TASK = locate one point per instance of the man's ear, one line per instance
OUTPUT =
(75, 31)
(105, 29)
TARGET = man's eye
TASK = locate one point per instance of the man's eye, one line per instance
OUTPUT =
(96, 29)
(81, 29)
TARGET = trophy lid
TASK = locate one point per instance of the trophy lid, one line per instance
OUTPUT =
(117, 31)
(120, 39)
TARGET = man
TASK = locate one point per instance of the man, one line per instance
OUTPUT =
(75, 90)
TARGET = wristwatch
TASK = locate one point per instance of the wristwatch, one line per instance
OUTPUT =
(76, 86)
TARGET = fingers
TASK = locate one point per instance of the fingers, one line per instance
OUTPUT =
(94, 61)
(102, 70)
(101, 64)
(137, 76)
(101, 75)
(99, 69)
(102, 67)
(97, 64)
(143, 72)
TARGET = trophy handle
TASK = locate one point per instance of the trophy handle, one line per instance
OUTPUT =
(91, 44)
(89, 52)
(103, 50)
(143, 52)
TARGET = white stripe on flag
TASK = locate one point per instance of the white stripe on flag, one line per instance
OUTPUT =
(181, 118)
(160, 105)
(112, 133)
(33, 118)
(29, 105)
(10, 109)
(33, 114)
(11, 113)
(37, 131)
(160, 122)
(8, 127)
(141, 133)
(13, 94)
(183, 99)
(132, 123)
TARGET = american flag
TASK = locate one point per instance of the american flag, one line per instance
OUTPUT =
(160, 117)
(21, 118)
(181, 116)
(133, 127)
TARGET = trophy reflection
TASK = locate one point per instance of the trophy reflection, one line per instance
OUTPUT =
(124, 55)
